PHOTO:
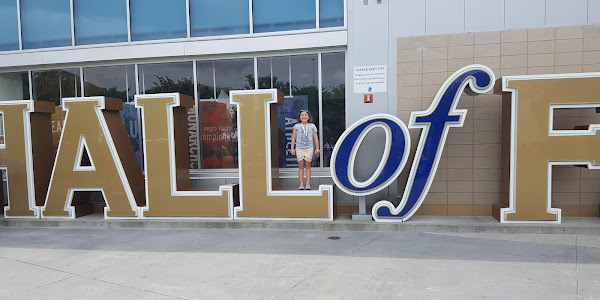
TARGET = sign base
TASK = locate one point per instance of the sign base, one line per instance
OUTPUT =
(362, 215)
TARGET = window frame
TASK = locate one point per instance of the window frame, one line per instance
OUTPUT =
(74, 33)
(225, 173)
(20, 31)
(188, 28)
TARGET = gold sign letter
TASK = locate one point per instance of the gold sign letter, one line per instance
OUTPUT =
(23, 153)
(536, 146)
(94, 126)
(164, 120)
(257, 144)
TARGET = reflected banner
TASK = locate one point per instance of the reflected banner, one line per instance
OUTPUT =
(287, 117)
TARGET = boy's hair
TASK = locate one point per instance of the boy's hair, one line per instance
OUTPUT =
(309, 115)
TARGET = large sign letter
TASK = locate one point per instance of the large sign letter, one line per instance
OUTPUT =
(93, 126)
(257, 128)
(397, 145)
(22, 153)
(164, 119)
(536, 146)
(435, 123)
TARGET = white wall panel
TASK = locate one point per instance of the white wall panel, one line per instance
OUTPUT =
(522, 14)
(114, 53)
(407, 18)
(268, 43)
(21, 59)
(484, 15)
(594, 11)
(566, 13)
(445, 16)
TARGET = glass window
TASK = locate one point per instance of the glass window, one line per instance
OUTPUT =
(218, 118)
(99, 22)
(280, 71)
(167, 78)
(218, 131)
(9, 35)
(233, 75)
(304, 80)
(114, 81)
(334, 98)
(274, 72)
(14, 86)
(264, 73)
(117, 82)
(281, 15)
(205, 74)
(53, 85)
(219, 17)
(133, 124)
(331, 13)
(45, 23)
(174, 78)
(158, 19)
(304, 94)
(305, 84)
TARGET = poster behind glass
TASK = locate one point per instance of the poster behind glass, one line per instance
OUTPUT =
(219, 134)
(287, 117)
(131, 118)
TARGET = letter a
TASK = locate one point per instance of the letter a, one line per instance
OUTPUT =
(23, 153)
(257, 119)
(94, 125)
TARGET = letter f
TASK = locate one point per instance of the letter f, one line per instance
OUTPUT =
(435, 122)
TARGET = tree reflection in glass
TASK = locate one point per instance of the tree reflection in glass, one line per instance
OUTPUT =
(112, 81)
(218, 118)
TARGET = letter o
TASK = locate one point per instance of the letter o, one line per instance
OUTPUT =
(395, 155)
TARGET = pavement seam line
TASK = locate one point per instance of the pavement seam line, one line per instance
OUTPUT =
(146, 253)
(37, 287)
(325, 267)
(32, 264)
(85, 274)
(73, 275)
(40, 286)
(132, 287)
(359, 247)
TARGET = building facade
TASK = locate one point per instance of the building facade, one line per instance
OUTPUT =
(310, 49)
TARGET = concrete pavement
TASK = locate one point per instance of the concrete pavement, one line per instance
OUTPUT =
(340, 223)
(88, 263)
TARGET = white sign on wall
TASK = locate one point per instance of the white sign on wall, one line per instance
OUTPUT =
(370, 79)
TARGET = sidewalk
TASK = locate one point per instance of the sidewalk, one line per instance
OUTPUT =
(91, 263)
(442, 224)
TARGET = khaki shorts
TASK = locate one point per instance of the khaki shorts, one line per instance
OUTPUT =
(303, 153)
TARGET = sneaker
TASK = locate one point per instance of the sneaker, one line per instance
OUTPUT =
(308, 186)
(301, 187)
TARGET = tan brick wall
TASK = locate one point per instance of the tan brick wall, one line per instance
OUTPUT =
(468, 180)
